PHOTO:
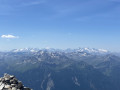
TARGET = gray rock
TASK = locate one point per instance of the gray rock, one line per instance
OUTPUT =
(14, 88)
(9, 82)
(20, 85)
(2, 86)
(25, 88)
(7, 86)
(13, 85)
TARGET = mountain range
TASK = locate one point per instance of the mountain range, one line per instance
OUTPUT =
(58, 69)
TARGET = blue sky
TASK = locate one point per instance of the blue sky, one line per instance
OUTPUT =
(60, 24)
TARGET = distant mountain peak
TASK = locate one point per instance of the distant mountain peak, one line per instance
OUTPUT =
(25, 50)
(80, 50)
(92, 50)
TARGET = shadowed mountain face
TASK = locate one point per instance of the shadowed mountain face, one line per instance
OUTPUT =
(63, 70)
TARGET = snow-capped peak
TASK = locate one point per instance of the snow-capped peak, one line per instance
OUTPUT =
(83, 50)
(26, 50)
(92, 50)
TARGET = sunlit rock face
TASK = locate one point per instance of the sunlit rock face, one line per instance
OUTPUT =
(10, 82)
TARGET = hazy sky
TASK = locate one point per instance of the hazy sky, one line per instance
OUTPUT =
(60, 24)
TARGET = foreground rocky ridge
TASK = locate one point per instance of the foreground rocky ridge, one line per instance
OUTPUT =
(9, 82)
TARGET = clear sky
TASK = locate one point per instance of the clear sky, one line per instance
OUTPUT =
(60, 24)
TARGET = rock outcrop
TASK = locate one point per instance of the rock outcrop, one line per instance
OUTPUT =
(9, 82)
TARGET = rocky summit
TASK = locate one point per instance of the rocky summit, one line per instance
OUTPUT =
(9, 82)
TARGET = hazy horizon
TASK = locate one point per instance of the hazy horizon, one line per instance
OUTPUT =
(57, 49)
